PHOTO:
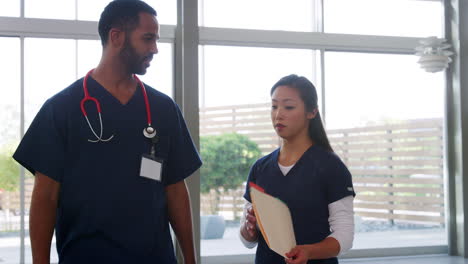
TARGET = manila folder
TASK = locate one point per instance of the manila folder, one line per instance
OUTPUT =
(274, 220)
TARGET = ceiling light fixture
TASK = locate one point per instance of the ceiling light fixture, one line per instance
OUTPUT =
(433, 53)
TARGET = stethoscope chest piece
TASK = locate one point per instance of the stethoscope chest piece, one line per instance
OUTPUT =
(149, 132)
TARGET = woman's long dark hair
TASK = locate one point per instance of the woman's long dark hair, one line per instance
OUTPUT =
(308, 94)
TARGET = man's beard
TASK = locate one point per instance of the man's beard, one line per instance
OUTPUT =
(131, 59)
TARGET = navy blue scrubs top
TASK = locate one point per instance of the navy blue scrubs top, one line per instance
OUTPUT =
(317, 179)
(107, 212)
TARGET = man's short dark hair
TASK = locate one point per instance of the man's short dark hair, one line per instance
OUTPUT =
(121, 14)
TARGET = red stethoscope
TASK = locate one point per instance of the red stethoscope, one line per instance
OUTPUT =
(148, 132)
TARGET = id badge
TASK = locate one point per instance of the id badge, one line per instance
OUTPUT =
(151, 167)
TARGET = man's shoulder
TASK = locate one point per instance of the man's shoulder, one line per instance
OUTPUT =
(161, 101)
(153, 92)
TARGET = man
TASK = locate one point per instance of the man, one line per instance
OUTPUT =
(110, 156)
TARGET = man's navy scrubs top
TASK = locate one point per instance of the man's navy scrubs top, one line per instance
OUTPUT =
(318, 179)
(107, 212)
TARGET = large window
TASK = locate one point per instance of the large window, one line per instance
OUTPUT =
(384, 117)
(383, 114)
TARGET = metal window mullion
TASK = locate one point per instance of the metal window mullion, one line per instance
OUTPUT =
(319, 13)
(76, 59)
(201, 12)
(22, 8)
(319, 16)
(449, 149)
(76, 9)
(174, 69)
(186, 95)
(323, 112)
(306, 40)
(178, 55)
(456, 127)
(58, 28)
(76, 42)
(22, 171)
(201, 86)
(53, 28)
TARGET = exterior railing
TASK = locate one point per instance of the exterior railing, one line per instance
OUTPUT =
(397, 167)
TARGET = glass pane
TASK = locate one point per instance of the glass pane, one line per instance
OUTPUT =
(50, 67)
(9, 138)
(296, 15)
(384, 17)
(89, 55)
(256, 70)
(53, 9)
(160, 74)
(235, 105)
(388, 129)
(166, 9)
(91, 10)
(10, 8)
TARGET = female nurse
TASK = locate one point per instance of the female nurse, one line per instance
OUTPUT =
(308, 176)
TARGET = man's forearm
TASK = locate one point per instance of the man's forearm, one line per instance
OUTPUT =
(41, 230)
(42, 218)
(180, 217)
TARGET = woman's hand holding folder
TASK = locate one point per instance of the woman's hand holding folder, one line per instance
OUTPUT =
(249, 230)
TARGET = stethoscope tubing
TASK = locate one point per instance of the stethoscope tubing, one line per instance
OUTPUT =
(87, 97)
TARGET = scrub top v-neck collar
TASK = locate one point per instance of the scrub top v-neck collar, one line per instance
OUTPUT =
(276, 161)
(101, 90)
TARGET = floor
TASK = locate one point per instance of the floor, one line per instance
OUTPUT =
(427, 259)
(230, 244)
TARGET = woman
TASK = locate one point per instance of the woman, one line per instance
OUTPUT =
(306, 174)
